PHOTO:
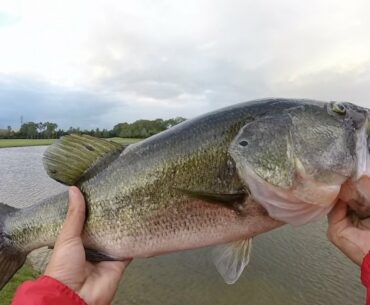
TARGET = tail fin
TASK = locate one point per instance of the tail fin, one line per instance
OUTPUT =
(11, 258)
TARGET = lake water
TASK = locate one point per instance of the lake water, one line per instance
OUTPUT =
(289, 266)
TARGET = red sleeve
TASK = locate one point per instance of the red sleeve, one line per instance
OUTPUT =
(365, 276)
(46, 291)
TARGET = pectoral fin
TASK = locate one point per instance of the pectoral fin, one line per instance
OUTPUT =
(234, 201)
(96, 256)
(231, 259)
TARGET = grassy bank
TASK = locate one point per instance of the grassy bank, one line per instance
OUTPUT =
(36, 142)
(24, 274)
(24, 142)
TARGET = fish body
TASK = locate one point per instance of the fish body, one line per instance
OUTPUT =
(181, 189)
(136, 204)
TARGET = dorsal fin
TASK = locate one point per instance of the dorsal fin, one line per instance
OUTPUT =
(71, 156)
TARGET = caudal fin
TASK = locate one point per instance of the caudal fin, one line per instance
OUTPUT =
(11, 258)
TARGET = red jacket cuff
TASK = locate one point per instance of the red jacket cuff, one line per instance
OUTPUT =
(45, 291)
(365, 271)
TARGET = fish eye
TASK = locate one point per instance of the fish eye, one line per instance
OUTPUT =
(243, 143)
(338, 108)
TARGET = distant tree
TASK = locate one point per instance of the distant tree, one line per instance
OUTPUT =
(73, 130)
(144, 128)
(29, 130)
(51, 129)
(40, 129)
(3, 133)
(175, 121)
(143, 133)
(137, 129)
(97, 133)
(59, 133)
(105, 133)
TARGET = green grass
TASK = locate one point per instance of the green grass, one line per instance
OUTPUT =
(23, 274)
(36, 142)
(24, 142)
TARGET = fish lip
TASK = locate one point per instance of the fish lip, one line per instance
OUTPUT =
(361, 151)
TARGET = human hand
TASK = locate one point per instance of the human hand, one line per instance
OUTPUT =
(352, 239)
(95, 283)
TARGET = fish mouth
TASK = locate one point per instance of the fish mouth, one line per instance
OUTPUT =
(296, 206)
(356, 190)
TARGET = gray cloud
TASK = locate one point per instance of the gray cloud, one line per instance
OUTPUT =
(145, 59)
(39, 101)
(222, 54)
(329, 84)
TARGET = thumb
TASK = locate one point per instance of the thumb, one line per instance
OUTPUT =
(75, 219)
(338, 213)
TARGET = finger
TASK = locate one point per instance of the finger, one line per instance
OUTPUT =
(116, 266)
(75, 219)
(338, 213)
(338, 221)
(364, 224)
(113, 270)
(355, 244)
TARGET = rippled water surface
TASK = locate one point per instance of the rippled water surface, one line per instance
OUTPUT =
(288, 266)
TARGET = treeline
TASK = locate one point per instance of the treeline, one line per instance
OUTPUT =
(49, 130)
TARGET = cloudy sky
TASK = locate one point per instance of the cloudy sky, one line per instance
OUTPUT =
(96, 63)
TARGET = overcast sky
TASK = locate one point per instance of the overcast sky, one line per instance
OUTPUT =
(96, 63)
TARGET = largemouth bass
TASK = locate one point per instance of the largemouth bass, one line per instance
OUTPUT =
(206, 181)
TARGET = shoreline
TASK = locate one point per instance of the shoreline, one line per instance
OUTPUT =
(8, 143)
